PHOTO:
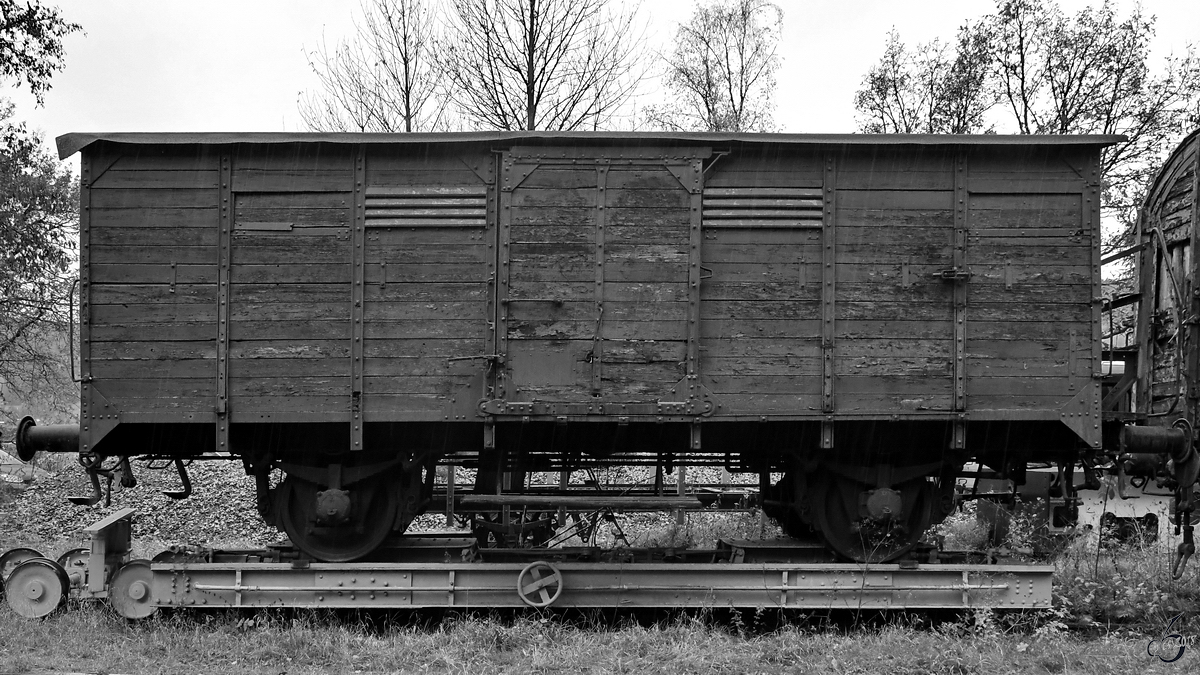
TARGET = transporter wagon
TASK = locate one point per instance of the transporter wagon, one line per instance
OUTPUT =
(861, 315)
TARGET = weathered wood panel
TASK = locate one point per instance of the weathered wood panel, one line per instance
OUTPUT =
(153, 255)
(159, 178)
(155, 216)
(135, 198)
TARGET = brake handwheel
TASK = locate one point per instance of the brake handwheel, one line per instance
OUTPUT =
(539, 584)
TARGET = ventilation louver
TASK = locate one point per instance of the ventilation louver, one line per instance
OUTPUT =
(427, 206)
(763, 207)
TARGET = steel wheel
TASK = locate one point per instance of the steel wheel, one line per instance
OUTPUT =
(131, 591)
(36, 588)
(13, 557)
(372, 514)
(836, 509)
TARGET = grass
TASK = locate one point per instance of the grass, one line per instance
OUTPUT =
(1116, 598)
(92, 639)
(1095, 582)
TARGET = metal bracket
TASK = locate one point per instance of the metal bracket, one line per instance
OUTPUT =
(99, 417)
(687, 174)
(515, 174)
(827, 433)
(1082, 414)
(485, 174)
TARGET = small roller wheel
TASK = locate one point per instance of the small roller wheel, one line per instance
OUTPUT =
(131, 591)
(13, 557)
(37, 587)
(539, 584)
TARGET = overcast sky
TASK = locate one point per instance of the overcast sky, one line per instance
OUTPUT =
(238, 65)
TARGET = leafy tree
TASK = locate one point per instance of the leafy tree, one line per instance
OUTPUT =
(541, 64)
(38, 200)
(38, 226)
(1046, 73)
(387, 79)
(721, 74)
(31, 43)
(1090, 74)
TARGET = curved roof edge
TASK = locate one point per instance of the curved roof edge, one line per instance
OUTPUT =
(69, 144)
(1153, 191)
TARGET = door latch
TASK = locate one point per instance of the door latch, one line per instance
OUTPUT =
(954, 274)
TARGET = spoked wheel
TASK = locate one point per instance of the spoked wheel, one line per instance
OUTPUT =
(131, 591)
(870, 525)
(367, 519)
(37, 587)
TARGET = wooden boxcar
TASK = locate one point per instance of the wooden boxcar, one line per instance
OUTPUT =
(863, 314)
(1168, 350)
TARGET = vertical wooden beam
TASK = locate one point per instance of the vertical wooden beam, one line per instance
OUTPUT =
(504, 252)
(961, 199)
(492, 236)
(450, 485)
(1192, 288)
(85, 302)
(695, 248)
(1092, 225)
(357, 273)
(1147, 280)
(224, 256)
(601, 221)
(828, 289)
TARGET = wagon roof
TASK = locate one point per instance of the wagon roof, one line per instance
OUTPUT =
(69, 144)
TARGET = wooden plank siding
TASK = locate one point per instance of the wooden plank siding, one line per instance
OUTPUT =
(1028, 250)
(597, 303)
(469, 283)
(1169, 231)
(290, 264)
(1030, 242)
(426, 280)
(153, 238)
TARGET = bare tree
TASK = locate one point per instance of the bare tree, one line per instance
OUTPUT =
(1090, 74)
(386, 79)
(721, 74)
(541, 64)
(936, 88)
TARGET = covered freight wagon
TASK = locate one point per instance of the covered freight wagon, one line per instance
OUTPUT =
(863, 314)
